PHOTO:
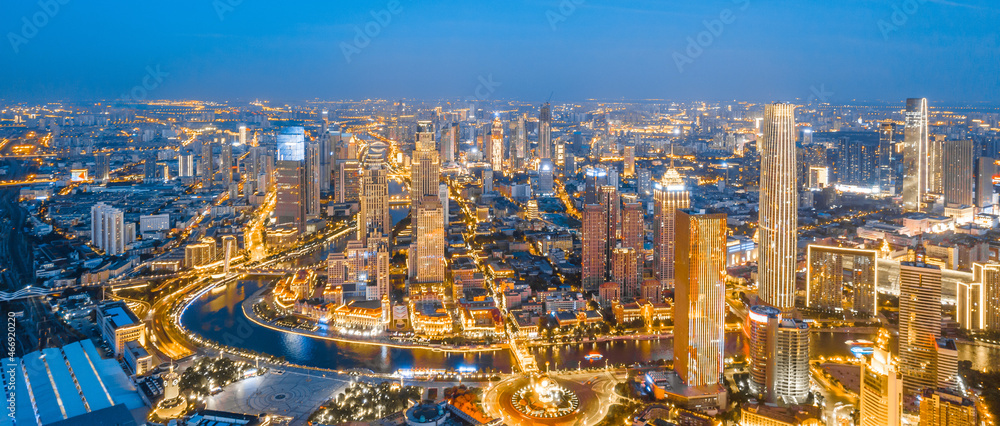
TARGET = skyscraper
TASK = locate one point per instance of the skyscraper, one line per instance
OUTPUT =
(545, 132)
(625, 271)
(425, 171)
(632, 232)
(205, 165)
(881, 389)
(978, 302)
(857, 160)
(546, 180)
(494, 153)
(445, 200)
(103, 172)
(629, 160)
(699, 296)
(107, 229)
(374, 219)
(669, 195)
(958, 178)
(290, 178)
(520, 144)
(595, 233)
(611, 202)
(887, 177)
(185, 164)
(348, 181)
(449, 141)
(427, 252)
(779, 356)
(778, 216)
(841, 278)
(314, 178)
(915, 154)
(986, 168)
(919, 325)
(226, 155)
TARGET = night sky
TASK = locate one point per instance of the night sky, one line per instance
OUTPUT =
(843, 50)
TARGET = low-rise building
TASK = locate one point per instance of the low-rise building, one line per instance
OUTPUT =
(119, 326)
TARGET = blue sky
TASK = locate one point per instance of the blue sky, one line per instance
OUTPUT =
(946, 50)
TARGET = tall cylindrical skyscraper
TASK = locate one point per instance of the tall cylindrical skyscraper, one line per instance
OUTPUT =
(778, 207)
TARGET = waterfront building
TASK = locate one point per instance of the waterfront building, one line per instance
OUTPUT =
(699, 296)
(942, 408)
(919, 325)
(779, 356)
(594, 236)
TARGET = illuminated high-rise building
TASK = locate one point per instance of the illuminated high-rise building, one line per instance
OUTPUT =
(840, 278)
(545, 132)
(942, 408)
(519, 146)
(290, 178)
(205, 166)
(887, 177)
(625, 271)
(546, 180)
(978, 302)
(629, 160)
(103, 166)
(348, 181)
(243, 134)
(881, 396)
(959, 180)
(986, 168)
(632, 232)
(445, 199)
(778, 216)
(919, 325)
(611, 202)
(699, 296)
(374, 219)
(669, 195)
(314, 177)
(494, 152)
(426, 256)
(185, 165)
(915, 152)
(226, 157)
(779, 356)
(595, 234)
(107, 229)
(449, 142)
(935, 164)
(425, 171)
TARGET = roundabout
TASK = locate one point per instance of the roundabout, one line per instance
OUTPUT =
(542, 399)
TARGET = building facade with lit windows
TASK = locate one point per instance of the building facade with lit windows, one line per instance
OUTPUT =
(779, 356)
(919, 325)
(699, 296)
(669, 195)
(840, 278)
(778, 216)
(915, 153)
(978, 302)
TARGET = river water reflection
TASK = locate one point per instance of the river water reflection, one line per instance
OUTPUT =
(216, 314)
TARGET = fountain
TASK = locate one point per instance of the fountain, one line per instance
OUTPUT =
(543, 398)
